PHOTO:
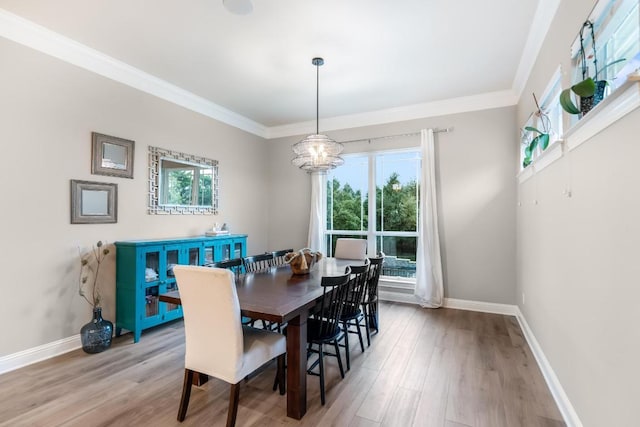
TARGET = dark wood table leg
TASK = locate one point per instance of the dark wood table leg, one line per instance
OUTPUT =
(297, 366)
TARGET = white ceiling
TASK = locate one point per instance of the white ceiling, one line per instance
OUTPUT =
(379, 54)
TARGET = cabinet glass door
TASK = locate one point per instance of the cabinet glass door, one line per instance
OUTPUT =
(209, 255)
(151, 303)
(169, 308)
(152, 266)
(237, 250)
(172, 258)
(194, 256)
(225, 251)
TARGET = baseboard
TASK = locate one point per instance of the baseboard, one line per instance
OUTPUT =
(37, 354)
(485, 307)
(562, 400)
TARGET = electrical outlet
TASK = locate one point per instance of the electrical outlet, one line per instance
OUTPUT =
(523, 298)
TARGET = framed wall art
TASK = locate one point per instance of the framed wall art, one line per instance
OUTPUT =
(111, 155)
(93, 202)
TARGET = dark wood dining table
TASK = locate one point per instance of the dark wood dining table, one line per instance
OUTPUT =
(278, 295)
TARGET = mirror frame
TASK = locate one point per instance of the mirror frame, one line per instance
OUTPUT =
(155, 208)
(97, 149)
(77, 188)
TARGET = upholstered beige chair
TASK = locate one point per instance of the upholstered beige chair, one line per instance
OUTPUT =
(351, 248)
(216, 342)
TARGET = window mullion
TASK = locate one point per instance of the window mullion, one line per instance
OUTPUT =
(371, 224)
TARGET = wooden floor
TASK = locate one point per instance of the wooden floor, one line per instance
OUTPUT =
(442, 367)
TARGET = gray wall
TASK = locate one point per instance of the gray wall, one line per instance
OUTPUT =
(578, 257)
(48, 110)
(477, 190)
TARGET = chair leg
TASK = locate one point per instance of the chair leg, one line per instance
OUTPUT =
(186, 394)
(360, 335)
(282, 374)
(321, 356)
(346, 344)
(234, 395)
(366, 324)
(335, 344)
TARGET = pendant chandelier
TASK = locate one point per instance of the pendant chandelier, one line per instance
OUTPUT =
(317, 153)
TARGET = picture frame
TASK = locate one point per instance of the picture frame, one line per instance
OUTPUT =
(93, 202)
(111, 156)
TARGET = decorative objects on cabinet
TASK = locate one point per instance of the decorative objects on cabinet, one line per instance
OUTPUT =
(144, 270)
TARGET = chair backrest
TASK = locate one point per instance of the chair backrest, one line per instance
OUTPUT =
(257, 262)
(351, 248)
(334, 296)
(358, 284)
(375, 268)
(213, 332)
(278, 257)
(234, 265)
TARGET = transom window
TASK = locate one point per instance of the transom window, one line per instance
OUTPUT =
(374, 196)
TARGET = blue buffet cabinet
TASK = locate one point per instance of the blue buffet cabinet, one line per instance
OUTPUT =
(144, 271)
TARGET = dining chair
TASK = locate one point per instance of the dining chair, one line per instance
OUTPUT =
(370, 304)
(256, 263)
(347, 248)
(216, 342)
(324, 327)
(278, 257)
(235, 265)
(352, 313)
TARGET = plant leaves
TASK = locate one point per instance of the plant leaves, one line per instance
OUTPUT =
(610, 64)
(567, 104)
(526, 162)
(544, 141)
(531, 129)
(585, 88)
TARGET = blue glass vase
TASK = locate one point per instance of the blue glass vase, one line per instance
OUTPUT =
(96, 335)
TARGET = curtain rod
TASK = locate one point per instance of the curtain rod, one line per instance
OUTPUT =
(445, 130)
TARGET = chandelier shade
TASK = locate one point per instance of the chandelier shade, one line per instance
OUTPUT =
(317, 153)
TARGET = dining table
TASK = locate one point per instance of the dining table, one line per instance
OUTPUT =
(277, 295)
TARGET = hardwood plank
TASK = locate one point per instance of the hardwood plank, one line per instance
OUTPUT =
(426, 367)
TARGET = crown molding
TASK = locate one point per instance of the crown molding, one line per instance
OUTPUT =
(25, 32)
(540, 25)
(20, 30)
(463, 104)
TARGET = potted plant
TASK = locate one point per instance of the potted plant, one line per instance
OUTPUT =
(589, 90)
(95, 335)
(537, 137)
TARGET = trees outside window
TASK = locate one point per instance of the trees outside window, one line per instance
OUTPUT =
(393, 178)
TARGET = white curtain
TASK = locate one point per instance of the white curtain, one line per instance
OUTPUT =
(316, 228)
(429, 287)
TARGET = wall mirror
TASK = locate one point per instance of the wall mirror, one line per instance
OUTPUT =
(93, 202)
(181, 183)
(111, 155)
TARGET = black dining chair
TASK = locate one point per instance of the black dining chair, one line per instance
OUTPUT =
(234, 265)
(352, 312)
(256, 263)
(370, 303)
(324, 327)
(278, 257)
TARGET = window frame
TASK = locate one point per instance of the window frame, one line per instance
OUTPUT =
(371, 233)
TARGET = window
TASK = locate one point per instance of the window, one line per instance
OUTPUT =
(550, 121)
(375, 197)
(616, 28)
